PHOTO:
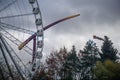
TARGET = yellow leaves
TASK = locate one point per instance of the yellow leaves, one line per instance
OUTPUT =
(107, 71)
(109, 64)
(100, 71)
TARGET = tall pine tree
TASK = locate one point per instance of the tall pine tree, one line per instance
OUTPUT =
(109, 52)
(89, 55)
(72, 65)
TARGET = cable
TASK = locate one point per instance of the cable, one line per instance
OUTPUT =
(3, 53)
(27, 14)
(7, 33)
(4, 25)
(2, 39)
(17, 57)
(8, 5)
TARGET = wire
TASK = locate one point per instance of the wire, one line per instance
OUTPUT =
(16, 16)
(8, 5)
(17, 57)
(5, 57)
(4, 42)
(4, 25)
(6, 35)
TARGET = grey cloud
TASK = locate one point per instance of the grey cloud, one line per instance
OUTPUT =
(100, 17)
(93, 13)
(103, 11)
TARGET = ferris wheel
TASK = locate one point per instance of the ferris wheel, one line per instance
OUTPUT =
(19, 19)
(22, 36)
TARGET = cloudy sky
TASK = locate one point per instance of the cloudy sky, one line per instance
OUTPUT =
(98, 17)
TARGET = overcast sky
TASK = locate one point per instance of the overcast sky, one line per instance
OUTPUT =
(98, 17)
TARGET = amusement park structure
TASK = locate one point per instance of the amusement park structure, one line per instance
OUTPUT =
(17, 18)
(99, 38)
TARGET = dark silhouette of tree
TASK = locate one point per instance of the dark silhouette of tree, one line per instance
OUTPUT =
(108, 51)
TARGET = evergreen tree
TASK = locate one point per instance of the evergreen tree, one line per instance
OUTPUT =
(89, 56)
(72, 65)
(109, 52)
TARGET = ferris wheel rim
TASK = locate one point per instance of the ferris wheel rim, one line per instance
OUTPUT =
(37, 26)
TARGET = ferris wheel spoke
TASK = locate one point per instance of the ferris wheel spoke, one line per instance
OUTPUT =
(9, 26)
(16, 41)
(18, 58)
(28, 14)
(5, 57)
(8, 5)
(11, 57)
